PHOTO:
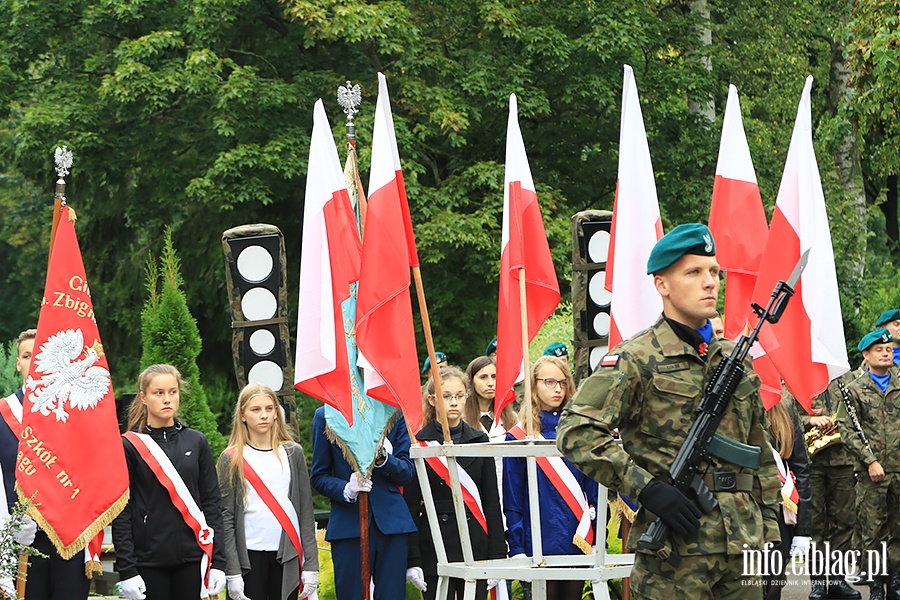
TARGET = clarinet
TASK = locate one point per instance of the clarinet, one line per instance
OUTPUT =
(845, 396)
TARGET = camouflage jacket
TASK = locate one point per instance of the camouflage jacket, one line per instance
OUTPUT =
(649, 394)
(879, 416)
(830, 404)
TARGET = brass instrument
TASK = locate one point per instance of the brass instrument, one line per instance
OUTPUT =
(818, 439)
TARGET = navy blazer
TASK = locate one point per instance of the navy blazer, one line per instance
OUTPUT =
(331, 472)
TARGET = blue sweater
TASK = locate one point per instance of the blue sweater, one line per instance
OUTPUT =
(558, 524)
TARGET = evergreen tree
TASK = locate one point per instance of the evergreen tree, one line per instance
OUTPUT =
(10, 380)
(170, 335)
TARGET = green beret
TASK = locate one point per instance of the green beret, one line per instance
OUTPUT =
(556, 349)
(491, 347)
(440, 356)
(879, 336)
(690, 238)
(888, 316)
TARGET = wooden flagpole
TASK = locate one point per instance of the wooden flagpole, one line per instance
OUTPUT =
(429, 342)
(529, 420)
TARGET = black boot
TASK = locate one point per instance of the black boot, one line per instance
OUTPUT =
(839, 588)
(817, 589)
(876, 589)
(893, 591)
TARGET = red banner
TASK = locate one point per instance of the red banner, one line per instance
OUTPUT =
(70, 463)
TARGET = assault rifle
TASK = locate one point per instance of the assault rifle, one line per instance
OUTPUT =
(702, 442)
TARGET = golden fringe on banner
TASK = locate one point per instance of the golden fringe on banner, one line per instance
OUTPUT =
(620, 507)
(348, 456)
(86, 536)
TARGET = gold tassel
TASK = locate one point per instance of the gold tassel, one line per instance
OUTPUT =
(788, 503)
(92, 567)
(582, 544)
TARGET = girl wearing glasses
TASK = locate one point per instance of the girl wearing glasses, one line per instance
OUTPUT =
(485, 521)
(551, 387)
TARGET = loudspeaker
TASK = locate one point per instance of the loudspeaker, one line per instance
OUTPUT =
(590, 300)
(256, 269)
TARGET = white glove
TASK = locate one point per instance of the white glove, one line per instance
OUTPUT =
(133, 588)
(24, 534)
(310, 581)
(216, 581)
(800, 545)
(519, 555)
(492, 583)
(357, 484)
(7, 589)
(417, 578)
(593, 512)
(236, 587)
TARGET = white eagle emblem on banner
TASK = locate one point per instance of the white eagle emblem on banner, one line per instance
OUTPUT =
(69, 374)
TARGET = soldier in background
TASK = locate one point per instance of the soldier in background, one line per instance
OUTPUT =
(648, 387)
(876, 400)
(833, 488)
(890, 320)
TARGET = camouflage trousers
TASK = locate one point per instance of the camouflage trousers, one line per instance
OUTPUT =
(833, 506)
(878, 507)
(705, 577)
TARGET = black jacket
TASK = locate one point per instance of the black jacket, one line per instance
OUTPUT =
(150, 531)
(484, 472)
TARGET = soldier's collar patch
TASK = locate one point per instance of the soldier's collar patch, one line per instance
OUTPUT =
(672, 367)
(610, 360)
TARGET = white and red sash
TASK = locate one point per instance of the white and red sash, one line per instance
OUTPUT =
(471, 495)
(567, 486)
(790, 497)
(181, 497)
(280, 505)
(471, 498)
(11, 411)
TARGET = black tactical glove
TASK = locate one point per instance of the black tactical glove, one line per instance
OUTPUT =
(665, 501)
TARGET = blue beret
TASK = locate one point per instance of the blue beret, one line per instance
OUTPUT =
(440, 356)
(879, 336)
(690, 238)
(491, 347)
(888, 316)
(556, 349)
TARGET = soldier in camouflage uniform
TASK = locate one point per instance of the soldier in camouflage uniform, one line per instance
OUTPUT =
(876, 399)
(648, 387)
(833, 487)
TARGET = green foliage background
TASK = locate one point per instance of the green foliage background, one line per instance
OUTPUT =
(194, 116)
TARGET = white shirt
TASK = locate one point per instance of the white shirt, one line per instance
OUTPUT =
(261, 528)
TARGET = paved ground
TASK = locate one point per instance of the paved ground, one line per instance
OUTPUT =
(797, 588)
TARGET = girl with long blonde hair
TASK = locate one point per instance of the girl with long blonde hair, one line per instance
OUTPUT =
(552, 387)
(266, 499)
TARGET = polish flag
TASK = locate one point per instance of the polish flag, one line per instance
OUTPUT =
(524, 246)
(809, 349)
(384, 327)
(738, 223)
(329, 265)
(636, 226)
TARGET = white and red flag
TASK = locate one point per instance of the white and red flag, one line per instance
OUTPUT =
(809, 348)
(636, 226)
(524, 246)
(384, 327)
(329, 266)
(71, 463)
(738, 223)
